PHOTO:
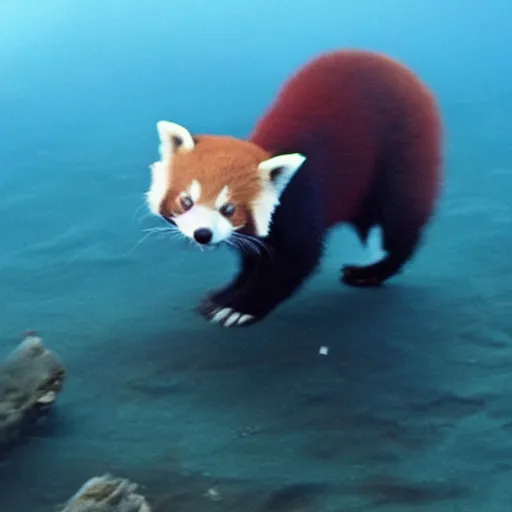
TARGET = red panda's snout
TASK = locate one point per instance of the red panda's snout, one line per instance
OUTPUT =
(206, 214)
(207, 222)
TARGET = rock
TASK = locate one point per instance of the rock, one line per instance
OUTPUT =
(30, 379)
(107, 494)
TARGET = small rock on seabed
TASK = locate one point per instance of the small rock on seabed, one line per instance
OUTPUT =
(107, 494)
(30, 378)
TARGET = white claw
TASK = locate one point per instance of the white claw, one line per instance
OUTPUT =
(244, 318)
(228, 317)
(232, 318)
(220, 315)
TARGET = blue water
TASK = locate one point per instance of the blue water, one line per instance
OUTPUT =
(411, 408)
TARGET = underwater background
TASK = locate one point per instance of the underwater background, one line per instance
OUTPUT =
(411, 408)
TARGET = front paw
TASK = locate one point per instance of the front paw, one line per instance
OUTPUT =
(228, 310)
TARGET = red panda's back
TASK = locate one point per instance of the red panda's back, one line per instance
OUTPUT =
(347, 111)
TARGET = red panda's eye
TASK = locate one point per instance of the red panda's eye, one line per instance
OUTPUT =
(186, 202)
(228, 209)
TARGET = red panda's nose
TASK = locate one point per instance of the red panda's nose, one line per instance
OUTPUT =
(203, 235)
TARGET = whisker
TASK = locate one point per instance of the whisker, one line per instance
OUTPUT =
(251, 246)
(145, 216)
(236, 243)
(172, 236)
(137, 210)
(255, 243)
(145, 237)
(169, 232)
(251, 237)
(243, 243)
(161, 230)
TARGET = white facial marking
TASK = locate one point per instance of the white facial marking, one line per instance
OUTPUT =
(285, 167)
(262, 209)
(230, 318)
(200, 216)
(161, 170)
(194, 191)
(222, 198)
(160, 179)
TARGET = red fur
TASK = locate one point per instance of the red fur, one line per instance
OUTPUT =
(360, 117)
(371, 134)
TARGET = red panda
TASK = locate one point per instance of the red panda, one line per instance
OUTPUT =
(353, 137)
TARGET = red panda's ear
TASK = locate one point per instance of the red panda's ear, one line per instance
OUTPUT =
(276, 173)
(173, 138)
(279, 170)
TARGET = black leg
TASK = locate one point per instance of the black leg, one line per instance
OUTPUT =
(400, 246)
(223, 296)
(260, 287)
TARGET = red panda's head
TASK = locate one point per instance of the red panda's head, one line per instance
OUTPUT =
(211, 187)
